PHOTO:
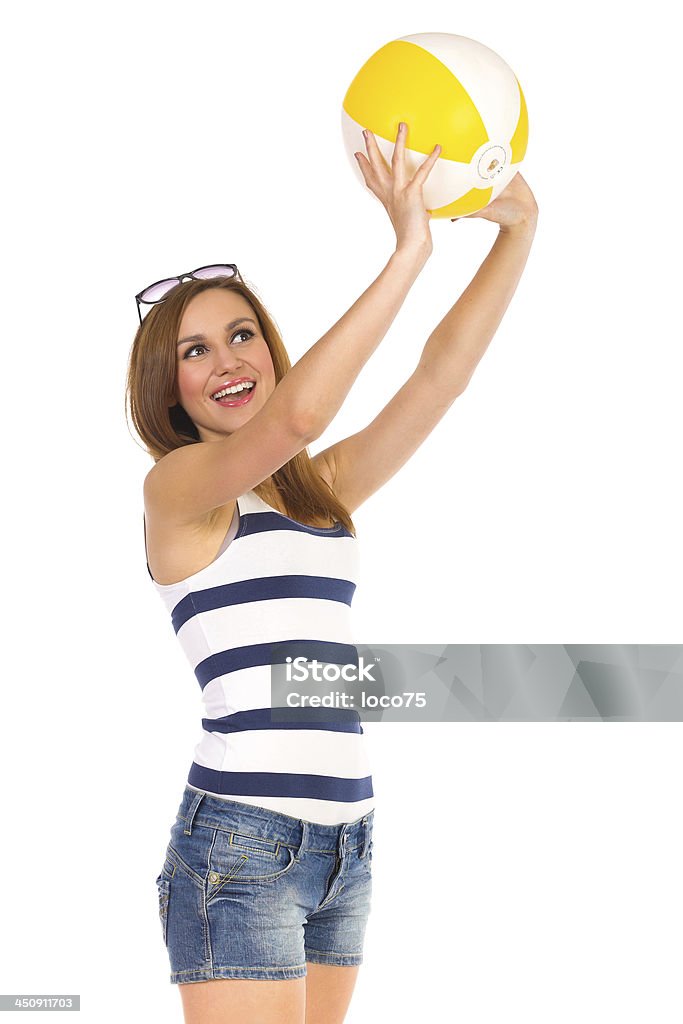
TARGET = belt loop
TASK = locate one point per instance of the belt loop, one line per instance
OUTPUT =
(304, 839)
(366, 832)
(191, 813)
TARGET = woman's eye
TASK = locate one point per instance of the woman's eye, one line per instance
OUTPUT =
(245, 330)
(193, 349)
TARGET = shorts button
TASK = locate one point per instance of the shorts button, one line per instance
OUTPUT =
(213, 877)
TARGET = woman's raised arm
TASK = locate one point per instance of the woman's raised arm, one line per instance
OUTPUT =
(191, 481)
(335, 361)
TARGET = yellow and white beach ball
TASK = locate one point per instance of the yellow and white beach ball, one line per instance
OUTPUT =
(449, 90)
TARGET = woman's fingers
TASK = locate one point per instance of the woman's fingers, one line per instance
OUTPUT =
(397, 171)
(391, 186)
(368, 175)
(422, 173)
(377, 161)
(398, 158)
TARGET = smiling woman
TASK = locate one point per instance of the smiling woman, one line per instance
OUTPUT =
(291, 808)
(201, 338)
(210, 362)
(268, 866)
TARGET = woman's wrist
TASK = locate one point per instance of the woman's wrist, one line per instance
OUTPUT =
(417, 252)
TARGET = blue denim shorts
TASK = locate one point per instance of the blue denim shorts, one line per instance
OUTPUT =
(246, 892)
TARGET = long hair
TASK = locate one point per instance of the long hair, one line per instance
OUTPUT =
(162, 426)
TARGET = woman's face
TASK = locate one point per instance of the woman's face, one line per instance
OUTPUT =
(231, 347)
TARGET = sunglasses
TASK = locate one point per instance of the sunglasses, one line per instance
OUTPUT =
(158, 291)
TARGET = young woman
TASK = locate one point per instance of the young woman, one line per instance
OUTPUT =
(265, 885)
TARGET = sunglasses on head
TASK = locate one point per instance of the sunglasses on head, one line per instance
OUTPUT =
(158, 291)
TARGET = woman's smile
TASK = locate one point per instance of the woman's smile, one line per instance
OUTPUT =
(221, 349)
(242, 398)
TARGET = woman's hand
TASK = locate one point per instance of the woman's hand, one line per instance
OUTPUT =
(514, 206)
(401, 196)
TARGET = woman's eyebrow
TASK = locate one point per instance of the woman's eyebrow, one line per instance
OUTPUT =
(228, 327)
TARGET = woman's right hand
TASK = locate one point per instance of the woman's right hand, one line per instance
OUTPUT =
(401, 196)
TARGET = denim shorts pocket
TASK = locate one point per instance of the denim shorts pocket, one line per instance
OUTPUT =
(164, 890)
(190, 852)
(247, 858)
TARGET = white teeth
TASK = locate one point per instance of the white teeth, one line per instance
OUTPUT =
(247, 385)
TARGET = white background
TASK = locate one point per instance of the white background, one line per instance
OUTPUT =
(524, 871)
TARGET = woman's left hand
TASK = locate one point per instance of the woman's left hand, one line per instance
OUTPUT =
(515, 205)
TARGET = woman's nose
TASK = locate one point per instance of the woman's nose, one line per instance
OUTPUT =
(227, 362)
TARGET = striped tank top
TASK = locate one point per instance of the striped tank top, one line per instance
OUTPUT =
(273, 580)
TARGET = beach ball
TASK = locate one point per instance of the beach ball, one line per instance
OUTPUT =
(449, 90)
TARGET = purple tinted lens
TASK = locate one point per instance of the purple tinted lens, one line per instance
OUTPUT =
(157, 291)
(220, 270)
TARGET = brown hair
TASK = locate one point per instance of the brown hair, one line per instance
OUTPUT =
(150, 387)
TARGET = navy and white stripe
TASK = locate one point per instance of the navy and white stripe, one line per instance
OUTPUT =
(277, 581)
